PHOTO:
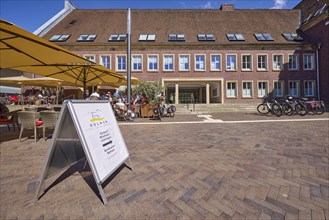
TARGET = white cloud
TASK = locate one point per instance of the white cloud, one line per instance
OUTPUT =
(279, 4)
(208, 5)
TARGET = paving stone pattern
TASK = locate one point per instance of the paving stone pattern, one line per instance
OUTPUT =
(183, 171)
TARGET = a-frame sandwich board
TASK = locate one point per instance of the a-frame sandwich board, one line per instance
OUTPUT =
(86, 129)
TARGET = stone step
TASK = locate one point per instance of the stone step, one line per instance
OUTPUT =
(208, 108)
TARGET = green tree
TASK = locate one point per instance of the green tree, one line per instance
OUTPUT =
(148, 90)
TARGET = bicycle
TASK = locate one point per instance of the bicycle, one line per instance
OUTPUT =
(265, 107)
(168, 111)
(291, 106)
(315, 107)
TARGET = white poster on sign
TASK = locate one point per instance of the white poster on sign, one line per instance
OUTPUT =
(103, 141)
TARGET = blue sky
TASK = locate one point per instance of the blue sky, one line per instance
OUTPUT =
(30, 15)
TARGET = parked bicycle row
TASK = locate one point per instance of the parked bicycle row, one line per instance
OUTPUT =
(290, 106)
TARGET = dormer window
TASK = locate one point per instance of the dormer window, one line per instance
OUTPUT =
(235, 37)
(320, 10)
(206, 37)
(292, 37)
(87, 37)
(59, 37)
(117, 37)
(146, 37)
(176, 37)
(264, 37)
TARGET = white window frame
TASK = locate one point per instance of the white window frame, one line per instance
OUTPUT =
(261, 92)
(157, 63)
(295, 63)
(231, 93)
(181, 63)
(294, 92)
(133, 62)
(202, 64)
(213, 64)
(165, 56)
(265, 62)
(243, 62)
(235, 62)
(247, 92)
(88, 56)
(104, 64)
(306, 61)
(275, 63)
(309, 92)
(121, 69)
(275, 88)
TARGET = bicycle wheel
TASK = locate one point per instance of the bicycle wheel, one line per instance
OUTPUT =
(320, 110)
(276, 110)
(301, 110)
(173, 108)
(262, 109)
(287, 109)
(172, 111)
(310, 109)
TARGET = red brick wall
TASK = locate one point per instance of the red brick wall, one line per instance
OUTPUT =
(320, 33)
(238, 75)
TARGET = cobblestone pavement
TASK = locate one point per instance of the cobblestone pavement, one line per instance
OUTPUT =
(186, 167)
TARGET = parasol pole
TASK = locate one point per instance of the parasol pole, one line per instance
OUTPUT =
(57, 93)
(21, 94)
(128, 58)
(84, 83)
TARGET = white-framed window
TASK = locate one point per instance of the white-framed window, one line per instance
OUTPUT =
(121, 61)
(90, 57)
(262, 62)
(215, 64)
(105, 60)
(200, 62)
(309, 88)
(184, 62)
(247, 89)
(147, 37)
(293, 88)
(262, 89)
(277, 62)
(137, 62)
(278, 88)
(168, 62)
(152, 62)
(246, 62)
(231, 89)
(308, 61)
(60, 37)
(230, 62)
(293, 62)
(87, 37)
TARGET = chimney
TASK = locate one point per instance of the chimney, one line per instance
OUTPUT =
(227, 7)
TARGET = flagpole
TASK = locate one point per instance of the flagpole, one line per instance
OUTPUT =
(128, 59)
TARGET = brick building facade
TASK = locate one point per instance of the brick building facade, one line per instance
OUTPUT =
(222, 55)
(315, 26)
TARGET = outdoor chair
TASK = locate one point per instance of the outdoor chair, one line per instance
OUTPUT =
(9, 118)
(28, 121)
(49, 119)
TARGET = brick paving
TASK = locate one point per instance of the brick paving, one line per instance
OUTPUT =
(270, 170)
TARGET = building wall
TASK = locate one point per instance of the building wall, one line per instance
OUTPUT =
(320, 33)
(239, 76)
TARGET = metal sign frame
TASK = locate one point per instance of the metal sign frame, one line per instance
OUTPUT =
(68, 146)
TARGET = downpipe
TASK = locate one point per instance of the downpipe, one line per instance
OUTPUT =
(318, 71)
